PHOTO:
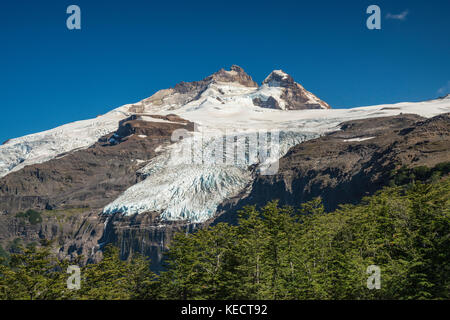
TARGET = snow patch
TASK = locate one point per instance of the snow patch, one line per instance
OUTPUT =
(358, 139)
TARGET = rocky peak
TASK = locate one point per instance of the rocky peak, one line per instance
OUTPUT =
(192, 90)
(294, 96)
(236, 75)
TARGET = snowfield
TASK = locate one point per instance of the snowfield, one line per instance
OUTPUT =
(46, 145)
(190, 178)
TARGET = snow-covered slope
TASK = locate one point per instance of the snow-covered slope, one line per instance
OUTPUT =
(43, 146)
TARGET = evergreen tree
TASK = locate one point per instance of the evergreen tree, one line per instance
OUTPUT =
(34, 274)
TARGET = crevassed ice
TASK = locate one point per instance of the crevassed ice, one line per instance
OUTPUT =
(191, 178)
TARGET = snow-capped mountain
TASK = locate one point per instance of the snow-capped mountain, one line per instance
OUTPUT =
(194, 154)
(189, 179)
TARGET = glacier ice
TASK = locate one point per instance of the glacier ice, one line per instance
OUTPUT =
(192, 177)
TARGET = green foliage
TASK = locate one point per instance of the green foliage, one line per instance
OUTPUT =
(115, 279)
(198, 265)
(15, 246)
(407, 176)
(4, 256)
(32, 216)
(33, 275)
(280, 253)
(36, 274)
(105, 280)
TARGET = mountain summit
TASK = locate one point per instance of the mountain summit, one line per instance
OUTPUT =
(236, 87)
(294, 96)
(236, 75)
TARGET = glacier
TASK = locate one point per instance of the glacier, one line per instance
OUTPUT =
(188, 183)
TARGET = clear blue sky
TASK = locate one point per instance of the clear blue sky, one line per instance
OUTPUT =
(127, 50)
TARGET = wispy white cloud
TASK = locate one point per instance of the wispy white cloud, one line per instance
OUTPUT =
(445, 89)
(400, 16)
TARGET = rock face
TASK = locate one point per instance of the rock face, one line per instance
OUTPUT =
(143, 233)
(270, 103)
(346, 165)
(236, 75)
